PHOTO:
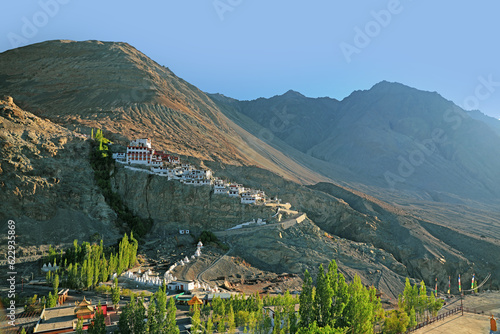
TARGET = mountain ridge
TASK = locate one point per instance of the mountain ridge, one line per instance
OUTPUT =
(115, 87)
(347, 144)
(383, 126)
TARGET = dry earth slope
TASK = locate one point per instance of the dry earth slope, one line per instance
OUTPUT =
(47, 183)
(119, 89)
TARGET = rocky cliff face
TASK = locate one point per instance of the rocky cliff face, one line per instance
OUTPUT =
(425, 247)
(173, 205)
(46, 181)
(304, 246)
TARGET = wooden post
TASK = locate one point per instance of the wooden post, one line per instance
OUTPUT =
(461, 302)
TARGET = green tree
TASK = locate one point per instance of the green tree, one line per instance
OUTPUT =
(55, 283)
(126, 324)
(79, 327)
(314, 329)
(360, 308)
(51, 300)
(412, 318)
(434, 304)
(134, 245)
(340, 295)
(231, 327)
(161, 307)
(209, 327)
(220, 325)
(140, 316)
(324, 297)
(115, 293)
(195, 319)
(396, 322)
(306, 300)
(98, 326)
(266, 324)
(422, 300)
(171, 325)
(153, 325)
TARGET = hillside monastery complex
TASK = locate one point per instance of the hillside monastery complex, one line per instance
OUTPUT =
(141, 153)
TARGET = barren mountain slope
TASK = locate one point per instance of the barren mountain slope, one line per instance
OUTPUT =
(427, 248)
(47, 183)
(392, 138)
(117, 88)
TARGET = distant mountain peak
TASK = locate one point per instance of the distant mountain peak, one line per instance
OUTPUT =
(293, 93)
(388, 85)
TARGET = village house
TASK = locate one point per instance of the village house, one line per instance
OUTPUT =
(197, 174)
(120, 156)
(180, 285)
(220, 187)
(235, 190)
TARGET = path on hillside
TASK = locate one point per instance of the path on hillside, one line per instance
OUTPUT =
(199, 277)
(287, 223)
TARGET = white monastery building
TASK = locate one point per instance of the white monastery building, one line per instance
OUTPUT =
(140, 152)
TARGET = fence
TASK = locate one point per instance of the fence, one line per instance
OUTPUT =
(434, 319)
(473, 310)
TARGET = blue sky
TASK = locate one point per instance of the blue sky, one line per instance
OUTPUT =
(249, 49)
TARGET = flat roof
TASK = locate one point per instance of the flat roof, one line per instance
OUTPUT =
(222, 295)
(57, 318)
(181, 281)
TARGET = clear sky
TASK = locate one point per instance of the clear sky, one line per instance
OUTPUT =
(255, 48)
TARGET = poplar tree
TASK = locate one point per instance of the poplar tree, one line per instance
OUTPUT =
(422, 299)
(55, 284)
(139, 317)
(134, 245)
(359, 308)
(161, 306)
(231, 327)
(306, 300)
(79, 326)
(209, 327)
(171, 325)
(195, 319)
(152, 325)
(323, 300)
(126, 322)
(98, 326)
(115, 293)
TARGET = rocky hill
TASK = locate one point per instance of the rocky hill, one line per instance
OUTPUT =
(421, 228)
(428, 248)
(115, 87)
(48, 188)
(47, 184)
